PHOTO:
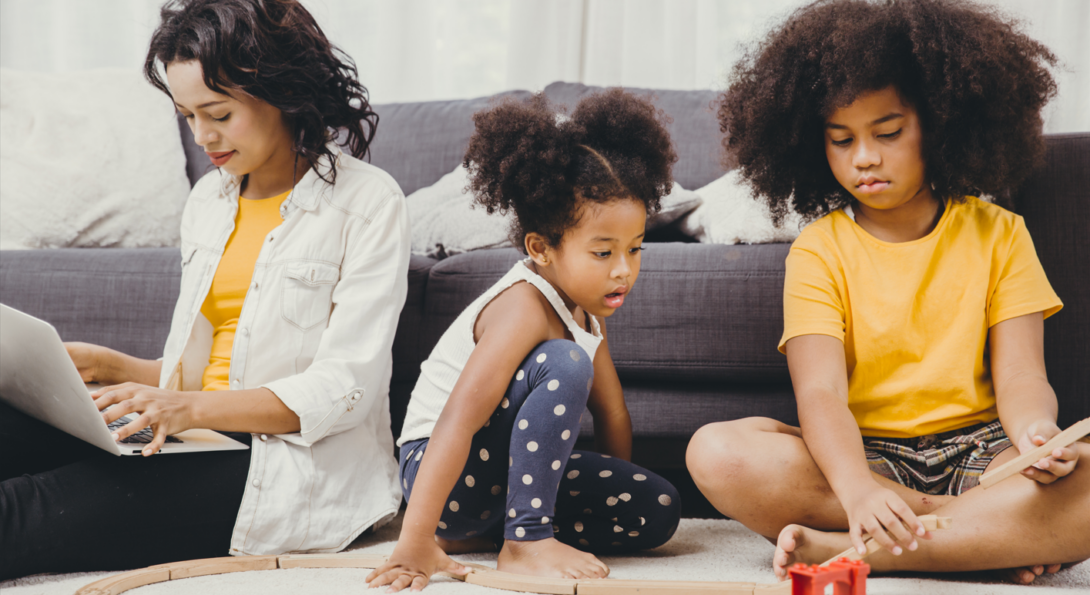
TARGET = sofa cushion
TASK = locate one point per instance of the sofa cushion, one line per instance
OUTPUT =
(1055, 203)
(699, 313)
(119, 298)
(407, 340)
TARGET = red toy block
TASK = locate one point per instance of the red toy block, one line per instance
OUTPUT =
(859, 571)
(848, 577)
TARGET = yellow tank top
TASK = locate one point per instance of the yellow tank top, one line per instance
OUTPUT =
(223, 305)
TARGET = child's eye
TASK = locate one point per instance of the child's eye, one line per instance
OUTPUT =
(893, 134)
(602, 254)
(223, 119)
(636, 250)
(841, 143)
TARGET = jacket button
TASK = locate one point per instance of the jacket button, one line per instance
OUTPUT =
(263, 437)
(256, 483)
(254, 286)
(245, 332)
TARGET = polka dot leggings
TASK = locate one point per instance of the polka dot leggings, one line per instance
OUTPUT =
(524, 482)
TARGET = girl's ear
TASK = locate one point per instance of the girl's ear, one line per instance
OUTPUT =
(538, 249)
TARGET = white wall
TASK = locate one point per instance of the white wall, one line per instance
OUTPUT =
(418, 50)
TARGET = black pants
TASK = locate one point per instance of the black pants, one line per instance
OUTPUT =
(67, 506)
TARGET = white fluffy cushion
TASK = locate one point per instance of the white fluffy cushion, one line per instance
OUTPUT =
(92, 158)
(446, 222)
(729, 214)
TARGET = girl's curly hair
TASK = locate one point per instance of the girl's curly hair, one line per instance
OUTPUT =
(274, 51)
(529, 158)
(977, 83)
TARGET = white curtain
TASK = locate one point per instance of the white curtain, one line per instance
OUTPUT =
(420, 50)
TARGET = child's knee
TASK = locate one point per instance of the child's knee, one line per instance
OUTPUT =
(665, 515)
(561, 361)
(719, 450)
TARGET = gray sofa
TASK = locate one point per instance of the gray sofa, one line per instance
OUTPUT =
(696, 341)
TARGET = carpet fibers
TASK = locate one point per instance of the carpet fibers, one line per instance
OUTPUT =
(701, 550)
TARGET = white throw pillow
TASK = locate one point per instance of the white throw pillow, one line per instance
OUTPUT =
(446, 222)
(91, 158)
(729, 214)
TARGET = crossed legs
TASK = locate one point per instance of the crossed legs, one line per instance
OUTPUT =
(1017, 523)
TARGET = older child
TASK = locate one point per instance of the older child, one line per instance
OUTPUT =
(294, 260)
(913, 312)
(486, 450)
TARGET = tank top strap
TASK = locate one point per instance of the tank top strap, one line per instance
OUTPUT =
(557, 302)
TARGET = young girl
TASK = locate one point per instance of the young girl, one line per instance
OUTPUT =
(294, 264)
(912, 310)
(486, 450)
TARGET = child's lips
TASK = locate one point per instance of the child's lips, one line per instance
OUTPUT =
(615, 300)
(872, 187)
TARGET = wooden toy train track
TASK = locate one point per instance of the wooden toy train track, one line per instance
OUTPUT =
(479, 575)
(489, 577)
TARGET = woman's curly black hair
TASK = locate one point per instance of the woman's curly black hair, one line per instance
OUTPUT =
(529, 158)
(274, 51)
(977, 83)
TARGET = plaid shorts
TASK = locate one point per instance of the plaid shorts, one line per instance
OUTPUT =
(949, 463)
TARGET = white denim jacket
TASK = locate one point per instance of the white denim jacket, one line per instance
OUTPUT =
(316, 328)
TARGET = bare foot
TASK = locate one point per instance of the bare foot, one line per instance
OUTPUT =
(549, 557)
(1027, 574)
(808, 546)
(466, 546)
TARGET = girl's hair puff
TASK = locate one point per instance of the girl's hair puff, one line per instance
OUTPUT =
(528, 158)
(977, 83)
(275, 51)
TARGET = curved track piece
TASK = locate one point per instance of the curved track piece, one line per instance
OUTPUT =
(480, 575)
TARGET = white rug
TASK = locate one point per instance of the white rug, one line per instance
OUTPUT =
(701, 550)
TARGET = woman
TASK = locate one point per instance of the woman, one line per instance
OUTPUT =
(294, 263)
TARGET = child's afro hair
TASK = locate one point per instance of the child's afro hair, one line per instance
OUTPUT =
(977, 83)
(527, 157)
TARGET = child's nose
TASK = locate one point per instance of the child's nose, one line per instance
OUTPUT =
(865, 155)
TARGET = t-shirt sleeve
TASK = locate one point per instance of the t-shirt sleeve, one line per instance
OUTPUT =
(1022, 286)
(812, 303)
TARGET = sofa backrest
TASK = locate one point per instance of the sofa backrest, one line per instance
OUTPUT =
(418, 143)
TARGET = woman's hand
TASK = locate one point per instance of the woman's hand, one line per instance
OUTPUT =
(93, 362)
(879, 512)
(165, 411)
(412, 564)
(1060, 462)
(96, 363)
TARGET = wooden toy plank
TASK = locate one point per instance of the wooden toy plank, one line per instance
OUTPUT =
(473, 567)
(1017, 464)
(222, 566)
(119, 583)
(930, 522)
(780, 588)
(331, 560)
(521, 582)
(607, 586)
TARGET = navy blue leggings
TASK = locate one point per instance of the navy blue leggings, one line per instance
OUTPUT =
(524, 482)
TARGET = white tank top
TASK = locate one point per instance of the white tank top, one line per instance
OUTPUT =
(446, 362)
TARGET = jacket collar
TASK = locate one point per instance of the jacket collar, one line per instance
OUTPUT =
(308, 191)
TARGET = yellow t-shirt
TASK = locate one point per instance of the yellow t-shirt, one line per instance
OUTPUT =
(223, 305)
(914, 316)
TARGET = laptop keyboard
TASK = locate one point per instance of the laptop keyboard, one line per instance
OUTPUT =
(144, 436)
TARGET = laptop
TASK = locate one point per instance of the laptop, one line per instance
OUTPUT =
(38, 378)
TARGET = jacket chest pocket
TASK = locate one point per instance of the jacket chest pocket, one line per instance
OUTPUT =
(307, 295)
